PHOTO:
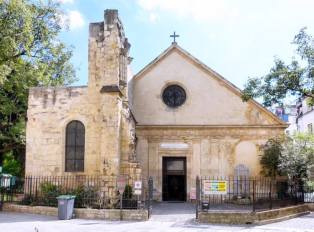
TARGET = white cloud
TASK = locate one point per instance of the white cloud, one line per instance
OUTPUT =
(154, 16)
(67, 1)
(199, 9)
(76, 19)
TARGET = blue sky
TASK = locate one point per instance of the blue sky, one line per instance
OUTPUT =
(236, 38)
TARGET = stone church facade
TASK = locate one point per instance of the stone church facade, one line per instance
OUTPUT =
(174, 120)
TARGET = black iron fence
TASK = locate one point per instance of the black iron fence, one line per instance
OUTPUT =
(309, 193)
(231, 194)
(98, 192)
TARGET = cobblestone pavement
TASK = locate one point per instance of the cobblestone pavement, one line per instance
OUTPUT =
(175, 217)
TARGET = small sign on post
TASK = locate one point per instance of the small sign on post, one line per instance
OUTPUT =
(121, 183)
(138, 187)
(138, 184)
(138, 191)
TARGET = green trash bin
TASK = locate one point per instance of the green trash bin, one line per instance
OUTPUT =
(65, 207)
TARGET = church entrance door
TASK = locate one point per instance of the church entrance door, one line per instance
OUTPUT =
(174, 179)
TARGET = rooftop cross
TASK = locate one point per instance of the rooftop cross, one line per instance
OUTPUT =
(174, 37)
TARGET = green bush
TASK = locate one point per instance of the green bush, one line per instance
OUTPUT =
(28, 200)
(85, 196)
(127, 194)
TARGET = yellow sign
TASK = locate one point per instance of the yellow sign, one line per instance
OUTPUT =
(222, 186)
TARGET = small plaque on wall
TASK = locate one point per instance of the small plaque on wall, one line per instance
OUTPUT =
(193, 193)
(137, 192)
(174, 145)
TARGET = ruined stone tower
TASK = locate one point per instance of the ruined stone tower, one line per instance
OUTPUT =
(107, 63)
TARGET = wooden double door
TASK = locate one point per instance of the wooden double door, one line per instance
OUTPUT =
(174, 179)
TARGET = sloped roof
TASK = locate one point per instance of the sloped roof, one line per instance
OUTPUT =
(176, 48)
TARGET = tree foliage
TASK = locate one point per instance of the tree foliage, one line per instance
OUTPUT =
(286, 80)
(30, 55)
(11, 165)
(271, 157)
(292, 157)
(297, 156)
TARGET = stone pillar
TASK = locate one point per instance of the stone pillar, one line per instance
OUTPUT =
(111, 133)
(214, 156)
(196, 159)
(205, 157)
(142, 156)
(153, 163)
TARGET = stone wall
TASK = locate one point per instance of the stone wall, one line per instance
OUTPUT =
(311, 206)
(127, 215)
(49, 112)
(256, 218)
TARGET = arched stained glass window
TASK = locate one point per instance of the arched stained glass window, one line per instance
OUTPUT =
(75, 147)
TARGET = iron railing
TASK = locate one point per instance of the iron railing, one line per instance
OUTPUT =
(250, 195)
(97, 192)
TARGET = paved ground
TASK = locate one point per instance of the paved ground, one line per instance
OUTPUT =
(166, 217)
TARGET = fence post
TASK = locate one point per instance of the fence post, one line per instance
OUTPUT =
(150, 196)
(197, 195)
(2, 196)
(302, 189)
(253, 202)
(36, 190)
(270, 202)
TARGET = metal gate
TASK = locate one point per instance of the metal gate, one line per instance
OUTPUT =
(9, 189)
(198, 197)
(150, 197)
(1, 196)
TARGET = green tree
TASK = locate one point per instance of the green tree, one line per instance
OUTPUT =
(11, 165)
(270, 158)
(297, 156)
(285, 81)
(30, 55)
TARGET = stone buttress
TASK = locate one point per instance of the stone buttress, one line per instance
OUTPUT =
(108, 60)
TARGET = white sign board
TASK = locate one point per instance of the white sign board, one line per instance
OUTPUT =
(138, 184)
(174, 145)
(215, 187)
(137, 192)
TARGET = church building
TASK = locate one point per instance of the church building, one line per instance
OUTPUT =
(175, 119)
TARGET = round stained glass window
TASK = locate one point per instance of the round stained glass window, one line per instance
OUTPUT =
(174, 96)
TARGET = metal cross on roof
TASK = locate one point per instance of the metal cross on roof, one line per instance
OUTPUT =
(174, 37)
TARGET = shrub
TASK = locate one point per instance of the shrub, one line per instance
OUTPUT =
(127, 194)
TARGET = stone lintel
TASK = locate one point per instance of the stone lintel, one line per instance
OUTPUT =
(111, 88)
(214, 140)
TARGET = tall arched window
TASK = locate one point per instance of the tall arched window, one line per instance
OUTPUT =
(75, 147)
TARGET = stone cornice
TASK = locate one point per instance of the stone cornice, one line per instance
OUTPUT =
(248, 132)
(175, 127)
(111, 89)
